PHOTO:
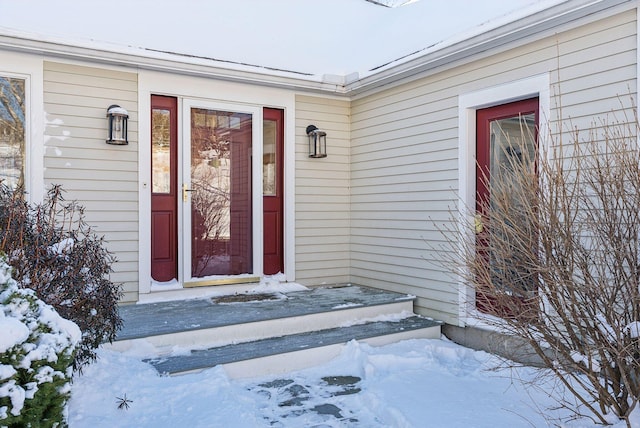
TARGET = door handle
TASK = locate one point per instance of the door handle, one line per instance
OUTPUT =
(477, 223)
(185, 192)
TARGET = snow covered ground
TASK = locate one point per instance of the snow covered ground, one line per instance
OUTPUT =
(415, 383)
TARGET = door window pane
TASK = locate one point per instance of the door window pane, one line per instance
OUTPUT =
(160, 150)
(221, 242)
(12, 131)
(269, 166)
(513, 147)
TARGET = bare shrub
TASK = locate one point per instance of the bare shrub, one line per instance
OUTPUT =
(555, 261)
(54, 252)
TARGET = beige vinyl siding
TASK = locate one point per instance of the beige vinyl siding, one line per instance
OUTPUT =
(322, 194)
(404, 152)
(101, 177)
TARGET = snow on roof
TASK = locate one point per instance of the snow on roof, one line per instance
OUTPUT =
(308, 37)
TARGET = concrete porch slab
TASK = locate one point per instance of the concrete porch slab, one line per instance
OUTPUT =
(151, 319)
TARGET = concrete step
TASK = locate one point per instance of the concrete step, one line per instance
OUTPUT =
(276, 355)
(163, 327)
(258, 334)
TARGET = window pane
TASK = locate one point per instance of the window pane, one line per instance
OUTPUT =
(513, 145)
(220, 193)
(12, 131)
(269, 158)
(160, 151)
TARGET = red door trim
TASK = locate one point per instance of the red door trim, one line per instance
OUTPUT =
(273, 210)
(164, 206)
(486, 302)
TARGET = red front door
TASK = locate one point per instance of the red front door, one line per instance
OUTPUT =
(272, 190)
(501, 133)
(164, 188)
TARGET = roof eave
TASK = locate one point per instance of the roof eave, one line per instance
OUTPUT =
(168, 62)
(543, 23)
(431, 60)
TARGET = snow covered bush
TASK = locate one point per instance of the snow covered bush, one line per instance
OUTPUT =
(556, 261)
(54, 252)
(36, 357)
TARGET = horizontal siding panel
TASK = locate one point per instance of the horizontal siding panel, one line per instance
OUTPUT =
(322, 218)
(124, 277)
(402, 199)
(319, 176)
(320, 240)
(95, 174)
(331, 200)
(599, 100)
(598, 65)
(443, 287)
(596, 45)
(326, 266)
(54, 88)
(320, 252)
(130, 297)
(399, 184)
(100, 191)
(396, 224)
(409, 116)
(401, 173)
(77, 70)
(331, 277)
(128, 101)
(74, 159)
(445, 138)
(311, 226)
(371, 210)
(118, 236)
(106, 227)
(409, 258)
(321, 191)
(63, 110)
(93, 190)
(331, 120)
(81, 123)
(437, 309)
(123, 247)
(416, 213)
(413, 126)
(405, 165)
(95, 81)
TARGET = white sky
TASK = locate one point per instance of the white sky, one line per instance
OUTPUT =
(311, 36)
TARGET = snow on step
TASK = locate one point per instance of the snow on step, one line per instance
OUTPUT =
(293, 352)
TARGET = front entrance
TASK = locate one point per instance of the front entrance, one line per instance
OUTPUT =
(503, 134)
(209, 185)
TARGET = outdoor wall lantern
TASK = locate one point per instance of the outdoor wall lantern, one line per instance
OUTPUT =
(118, 118)
(317, 142)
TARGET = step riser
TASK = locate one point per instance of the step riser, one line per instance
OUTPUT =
(238, 333)
(299, 360)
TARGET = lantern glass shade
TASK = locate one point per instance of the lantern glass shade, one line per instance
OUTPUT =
(118, 122)
(317, 142)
